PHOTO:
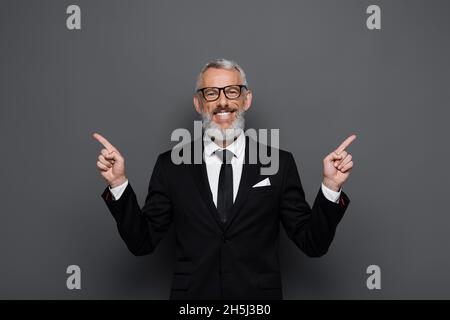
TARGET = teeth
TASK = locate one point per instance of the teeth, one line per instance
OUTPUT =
(223, 113)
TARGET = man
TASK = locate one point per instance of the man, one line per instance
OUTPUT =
(226, 214)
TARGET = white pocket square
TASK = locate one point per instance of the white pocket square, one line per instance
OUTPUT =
(263, 183)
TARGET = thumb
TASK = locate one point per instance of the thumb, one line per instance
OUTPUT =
(113, 155)
(333, 157)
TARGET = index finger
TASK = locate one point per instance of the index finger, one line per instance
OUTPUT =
(104, 142)
(345, 144)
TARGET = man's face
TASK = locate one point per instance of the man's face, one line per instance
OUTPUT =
(223, 110)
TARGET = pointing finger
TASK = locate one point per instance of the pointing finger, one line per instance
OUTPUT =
(345, 144)
(104, 142)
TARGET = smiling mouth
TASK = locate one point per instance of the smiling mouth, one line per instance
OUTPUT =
(224, 115)
(223, 112)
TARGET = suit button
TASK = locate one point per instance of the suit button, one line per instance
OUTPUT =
(224, 239)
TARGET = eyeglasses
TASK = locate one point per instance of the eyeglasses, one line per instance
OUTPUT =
(213, 93)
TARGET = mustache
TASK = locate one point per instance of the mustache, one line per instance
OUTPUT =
(223, 109)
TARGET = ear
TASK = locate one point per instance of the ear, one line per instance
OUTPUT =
(197, 104)
(248, 100)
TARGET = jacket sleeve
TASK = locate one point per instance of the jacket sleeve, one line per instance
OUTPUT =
(312, 230)
(142, 229)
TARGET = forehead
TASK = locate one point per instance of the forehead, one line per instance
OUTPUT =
(214, 77)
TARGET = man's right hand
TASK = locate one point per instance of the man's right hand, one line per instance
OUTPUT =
(110, 163)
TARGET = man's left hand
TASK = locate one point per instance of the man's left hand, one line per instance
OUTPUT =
(337, 166)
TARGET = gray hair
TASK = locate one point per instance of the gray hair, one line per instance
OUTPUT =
(221, 64)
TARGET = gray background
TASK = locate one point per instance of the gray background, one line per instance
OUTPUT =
(317, 73)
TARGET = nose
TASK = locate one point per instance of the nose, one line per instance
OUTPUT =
(222, 101)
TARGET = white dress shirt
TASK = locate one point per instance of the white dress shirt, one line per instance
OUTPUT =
(213, 164)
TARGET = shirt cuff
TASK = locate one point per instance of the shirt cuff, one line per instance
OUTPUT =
(331, 195)
(118, 191)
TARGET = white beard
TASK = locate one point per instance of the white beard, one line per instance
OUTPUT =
(216, 133)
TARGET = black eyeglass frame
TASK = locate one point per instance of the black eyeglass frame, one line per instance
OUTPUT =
(202, 90)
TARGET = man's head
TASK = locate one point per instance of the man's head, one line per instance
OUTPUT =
(221, 97)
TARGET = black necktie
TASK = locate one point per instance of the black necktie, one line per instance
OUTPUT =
(225, 192)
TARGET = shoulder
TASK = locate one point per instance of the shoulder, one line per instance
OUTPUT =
(164, 158)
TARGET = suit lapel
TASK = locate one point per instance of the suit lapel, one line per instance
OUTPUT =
(201, 179)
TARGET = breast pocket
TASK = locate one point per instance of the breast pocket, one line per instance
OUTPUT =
(262, 190)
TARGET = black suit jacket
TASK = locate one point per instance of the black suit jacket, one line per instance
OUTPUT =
(237, 260)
